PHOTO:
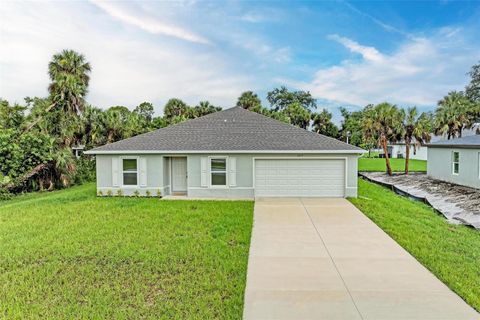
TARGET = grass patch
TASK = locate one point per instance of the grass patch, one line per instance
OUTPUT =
(69, 254)
(451, 252)
(398, 165)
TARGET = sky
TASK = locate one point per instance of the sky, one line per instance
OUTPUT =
(345, 53)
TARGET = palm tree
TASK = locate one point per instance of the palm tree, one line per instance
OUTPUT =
(249, 100)
(204, 108)
(383, 123)
(451, 115)
(322, 123)
(416, 130)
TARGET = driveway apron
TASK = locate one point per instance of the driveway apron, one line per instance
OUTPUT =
(321, 258)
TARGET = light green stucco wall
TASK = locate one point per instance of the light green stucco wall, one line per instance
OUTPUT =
(439, 166)
(158, 174)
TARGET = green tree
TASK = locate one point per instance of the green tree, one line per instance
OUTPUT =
(472, 90)
(281, 98)
(202, 109)
(11, 116)
(383, 122)
(454, 113)
(416, 130)
(175, 108)
(352, 127)
(322, 123)
(250, 101)
(145, 110)
(298, 115)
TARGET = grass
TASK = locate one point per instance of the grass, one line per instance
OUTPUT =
(398, 165)
(69, 254)
(451, 252)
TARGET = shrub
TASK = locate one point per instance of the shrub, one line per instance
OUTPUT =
(136, 193)
(5, 194)
(159, 193)
(119, 192)
(85, 171)
(148, 193)
(109, 193)
(100, 193)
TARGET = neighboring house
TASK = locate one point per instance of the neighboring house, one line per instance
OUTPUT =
(455, 160)
(233, 153)
(77, 150)
(399, 150)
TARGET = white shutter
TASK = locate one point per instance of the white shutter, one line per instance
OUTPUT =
(203, 173)
(115, 171)
(143, 172)
(232, 171)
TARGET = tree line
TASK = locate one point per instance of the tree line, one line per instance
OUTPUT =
(37, 137)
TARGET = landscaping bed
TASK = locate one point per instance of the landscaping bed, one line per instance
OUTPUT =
(459, 204)
(450, 252)
(70, 254)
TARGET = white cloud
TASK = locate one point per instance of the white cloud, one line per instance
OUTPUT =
(147, 23)
(420, 72)
(128, 67)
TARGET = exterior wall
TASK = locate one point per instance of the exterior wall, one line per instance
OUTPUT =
(154, 176)
(439, 166)
(159, 166)
(419, 154)
(244, 187)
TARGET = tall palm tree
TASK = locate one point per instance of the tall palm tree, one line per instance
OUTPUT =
(383, 122)
(249, 100)
(322, 123)
(203, 108)
(451, 115)
(416, 130)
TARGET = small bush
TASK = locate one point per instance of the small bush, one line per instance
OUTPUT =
(100, 193)
(159, 193)
(148, 193)
(119, 192)
(109, 193)
(5, 194)
(136, 194)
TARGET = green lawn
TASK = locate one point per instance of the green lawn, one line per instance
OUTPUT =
(451, 252)
(398, 165)
(69, 254)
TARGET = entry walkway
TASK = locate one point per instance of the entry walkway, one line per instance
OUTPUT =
(323, 259)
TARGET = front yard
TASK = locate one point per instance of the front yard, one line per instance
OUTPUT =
(68, 254)
(451, 252)
(398, 165)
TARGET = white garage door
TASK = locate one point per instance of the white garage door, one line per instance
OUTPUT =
(299, 178)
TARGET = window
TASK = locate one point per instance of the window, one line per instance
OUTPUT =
(218, 171)
(455, 162)
(130, 172)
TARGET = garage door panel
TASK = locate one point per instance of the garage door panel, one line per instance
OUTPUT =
(300, 177)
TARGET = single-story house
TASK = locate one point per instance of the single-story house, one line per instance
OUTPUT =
(234, 153)
(456, 161)
(399, 150)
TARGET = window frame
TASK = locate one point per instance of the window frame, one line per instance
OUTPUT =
(136, 172)
(455, 162)
(210, 185)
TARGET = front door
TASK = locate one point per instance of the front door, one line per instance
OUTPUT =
(179, 174)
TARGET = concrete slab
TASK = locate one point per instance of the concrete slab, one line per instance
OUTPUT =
(323, 259)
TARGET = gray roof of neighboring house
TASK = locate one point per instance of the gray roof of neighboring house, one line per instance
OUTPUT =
(465, 142)
(234, 129)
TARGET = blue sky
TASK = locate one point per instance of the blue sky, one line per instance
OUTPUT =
(345, 53)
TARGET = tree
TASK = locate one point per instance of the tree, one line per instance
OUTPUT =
(11, 116)
(453, 114)
(352, 126)
(281, 98)
(383, 122)
(145, 110)
(322, 123)
(472, 90)
(202, 109)
(249, 100)
(175, 108)
(416, 130)
(298, 115)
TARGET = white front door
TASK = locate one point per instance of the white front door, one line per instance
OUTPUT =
(299, 178)
(179, 174)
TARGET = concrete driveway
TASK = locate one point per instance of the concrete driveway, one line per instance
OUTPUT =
(323, 259)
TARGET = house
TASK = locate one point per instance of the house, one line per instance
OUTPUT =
(456, 161)
(399, 150)
(233, 153)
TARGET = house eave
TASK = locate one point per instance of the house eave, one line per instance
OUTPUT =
(361, 151)
(454, 146)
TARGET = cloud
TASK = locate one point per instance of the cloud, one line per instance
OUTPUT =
(127, 67)
(419, 72)
(147, 23)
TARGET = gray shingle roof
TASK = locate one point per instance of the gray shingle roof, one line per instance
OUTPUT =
(234, 129)
(465, 142)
